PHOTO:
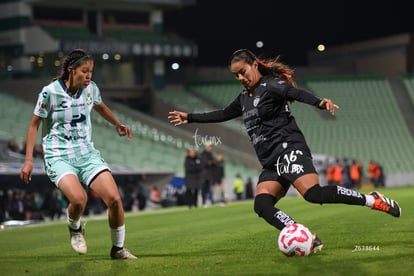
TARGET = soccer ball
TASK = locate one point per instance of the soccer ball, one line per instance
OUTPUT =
(295, 240)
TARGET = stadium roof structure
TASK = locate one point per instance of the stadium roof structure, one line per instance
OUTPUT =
(123, 28)
(129, 5)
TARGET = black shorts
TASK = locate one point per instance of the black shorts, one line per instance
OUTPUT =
(289, 166)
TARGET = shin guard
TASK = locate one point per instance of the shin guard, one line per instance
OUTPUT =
(333, 194)
(264, 207)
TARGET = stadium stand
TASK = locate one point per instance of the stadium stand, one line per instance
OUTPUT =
(68, 32)
(190, 102)
(14, 121)
(218, 93)
(408, 81)
(151, 149)
(161, 147)
(134, 35)
(368, 125)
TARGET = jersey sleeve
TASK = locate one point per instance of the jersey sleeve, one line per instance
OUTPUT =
(43, 104)
(233, 110)
(96, 94)
(303, 96)
(284, 91)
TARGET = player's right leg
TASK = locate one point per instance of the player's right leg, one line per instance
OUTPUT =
(77, 197)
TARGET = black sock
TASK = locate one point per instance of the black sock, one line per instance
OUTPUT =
(334, 194)
(115, 248)
(264, 207)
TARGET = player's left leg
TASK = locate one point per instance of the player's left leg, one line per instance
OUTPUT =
(307, 185)
(104, 185)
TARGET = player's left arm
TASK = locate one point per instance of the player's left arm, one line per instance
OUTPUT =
(305, 96)
(107, 114)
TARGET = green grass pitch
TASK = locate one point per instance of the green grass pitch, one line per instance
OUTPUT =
(229, 240)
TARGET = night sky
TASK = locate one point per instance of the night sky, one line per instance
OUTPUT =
(287, 28)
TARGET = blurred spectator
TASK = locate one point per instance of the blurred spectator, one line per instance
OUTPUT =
(135, 197)
(13, 146)
(330, 170)
(2, 205)
(38, 151)
(52, 206)
(346, 178)
(337, 174)
(8, 204)
(249, 188)
(95, 204)
(31, 210)
(207, 165)
(192, 170)
(23, 147)
(126, 190)
(155, 195)
(374, 173)
(381, 176)
(16, 208)
(137, 200)
(218, 179)
(356, 173)
(238, 187)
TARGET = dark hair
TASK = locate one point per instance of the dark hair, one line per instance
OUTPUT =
(265, 66)
(243, 54)
(74, 59)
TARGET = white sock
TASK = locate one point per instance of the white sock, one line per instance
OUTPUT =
(369, 200)
(118, 236)
(73, 224)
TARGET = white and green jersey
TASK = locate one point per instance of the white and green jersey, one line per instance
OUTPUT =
(67, 128)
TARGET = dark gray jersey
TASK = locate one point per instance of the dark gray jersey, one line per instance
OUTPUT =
(267, 117)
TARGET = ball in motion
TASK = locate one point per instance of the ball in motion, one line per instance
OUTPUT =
(295, 240)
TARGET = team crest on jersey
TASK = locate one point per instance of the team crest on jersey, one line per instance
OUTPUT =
(51, 173)
(89, 100)
(42, 105)
(256, 101)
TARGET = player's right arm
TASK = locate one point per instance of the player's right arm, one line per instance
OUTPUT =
(231, 111)
(26, 171)
(178, 118)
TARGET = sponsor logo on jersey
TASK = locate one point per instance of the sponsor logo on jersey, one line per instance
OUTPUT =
(77, 119)
(63, 105)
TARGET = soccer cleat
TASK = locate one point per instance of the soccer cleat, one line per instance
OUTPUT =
(122, 253)
(317, 244)
(385, 204)
(77, 240)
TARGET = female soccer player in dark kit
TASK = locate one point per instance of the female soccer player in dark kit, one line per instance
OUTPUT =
(264, 104)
